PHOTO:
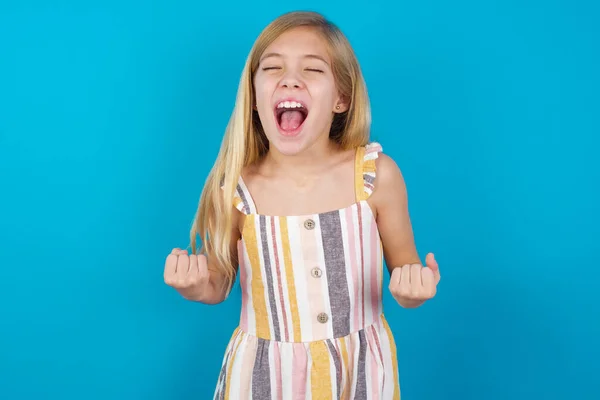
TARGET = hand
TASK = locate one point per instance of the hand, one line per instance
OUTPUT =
(412, 284)
(187, 273)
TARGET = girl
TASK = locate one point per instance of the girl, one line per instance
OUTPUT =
(307, 208)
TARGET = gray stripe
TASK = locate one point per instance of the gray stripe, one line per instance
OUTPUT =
(369, 178)
(269, 276)
(361, 376)
(242, 195)
(333, 249)
(338, 366)
(261, 373)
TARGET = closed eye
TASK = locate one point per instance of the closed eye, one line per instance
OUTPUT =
(314, 70)
(270, 68)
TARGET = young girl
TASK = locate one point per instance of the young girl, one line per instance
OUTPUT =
(308, 209)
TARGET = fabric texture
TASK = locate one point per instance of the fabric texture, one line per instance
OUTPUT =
(312, 323)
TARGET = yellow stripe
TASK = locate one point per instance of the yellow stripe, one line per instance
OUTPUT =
(394, 358)
(345, 366)
(238, 203)
(320, 374)
(232, 358)
(358, 174)
(289, 274)
(258, 289)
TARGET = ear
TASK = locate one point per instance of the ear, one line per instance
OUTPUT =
(341, 105)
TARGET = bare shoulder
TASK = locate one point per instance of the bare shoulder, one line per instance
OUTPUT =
(389, 185)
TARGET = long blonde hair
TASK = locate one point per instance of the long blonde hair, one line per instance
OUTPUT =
(244, 141)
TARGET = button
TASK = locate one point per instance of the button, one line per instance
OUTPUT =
(322, 317)
(309, 224)
(316, 272)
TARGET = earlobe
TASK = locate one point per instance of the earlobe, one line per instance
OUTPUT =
(340, 108)
(341, 105)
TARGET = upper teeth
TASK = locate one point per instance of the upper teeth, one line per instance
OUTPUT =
(289, 104)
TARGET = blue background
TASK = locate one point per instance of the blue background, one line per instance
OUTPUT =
(112, 112)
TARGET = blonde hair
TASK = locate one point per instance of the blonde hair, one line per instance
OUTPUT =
(244, 141)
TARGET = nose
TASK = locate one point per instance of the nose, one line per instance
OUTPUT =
(291, 81)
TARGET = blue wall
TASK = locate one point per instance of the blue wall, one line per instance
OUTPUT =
(110, 117)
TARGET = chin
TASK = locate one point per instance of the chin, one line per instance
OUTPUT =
(288, 145)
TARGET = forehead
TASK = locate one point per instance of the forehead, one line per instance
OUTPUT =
(298, 42)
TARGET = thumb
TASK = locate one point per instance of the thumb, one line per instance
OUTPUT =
(432, 264)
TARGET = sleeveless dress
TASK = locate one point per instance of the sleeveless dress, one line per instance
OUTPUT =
(311, 323)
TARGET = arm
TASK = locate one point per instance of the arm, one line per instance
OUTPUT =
(390, 201)
(410, 282)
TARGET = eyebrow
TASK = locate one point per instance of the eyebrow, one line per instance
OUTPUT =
(313, 56)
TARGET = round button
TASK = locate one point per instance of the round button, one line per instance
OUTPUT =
(322, 317)
(309, 224)
(316, 272)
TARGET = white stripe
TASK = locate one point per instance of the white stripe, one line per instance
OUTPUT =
(309, 362)
(236, 370)
(388, 390)
(287, 355)
(304, 311)
(284, 283)
(358, 258)
(272, 370)
(275, 278)
(367, 249)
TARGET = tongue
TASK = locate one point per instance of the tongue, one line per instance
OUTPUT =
(291, 120)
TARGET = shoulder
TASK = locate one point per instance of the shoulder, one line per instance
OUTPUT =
(389, 184)
(388, 172)
(383, 167)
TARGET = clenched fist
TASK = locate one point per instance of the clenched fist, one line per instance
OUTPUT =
(413, 284)
(188, 274)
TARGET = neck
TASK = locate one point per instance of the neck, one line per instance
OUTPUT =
(309, 162)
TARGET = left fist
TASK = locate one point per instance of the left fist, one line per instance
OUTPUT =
(412, 284)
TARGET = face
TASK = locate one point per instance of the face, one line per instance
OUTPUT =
(296, 94)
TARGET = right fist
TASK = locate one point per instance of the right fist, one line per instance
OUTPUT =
(187, 273)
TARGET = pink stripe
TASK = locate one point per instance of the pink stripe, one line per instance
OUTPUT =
(375, 270)
(245, 289)
(299, 366)
(277, 357)
(374, 367)
(362, 260)
(353, 265)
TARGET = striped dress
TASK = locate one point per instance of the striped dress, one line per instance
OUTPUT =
(311, 323)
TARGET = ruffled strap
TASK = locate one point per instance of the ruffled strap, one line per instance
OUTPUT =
(242, 200)
(366, 170)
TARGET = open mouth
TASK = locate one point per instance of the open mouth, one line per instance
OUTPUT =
(290, 116)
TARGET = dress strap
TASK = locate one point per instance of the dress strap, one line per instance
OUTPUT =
(242, 199)
(365, 169)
